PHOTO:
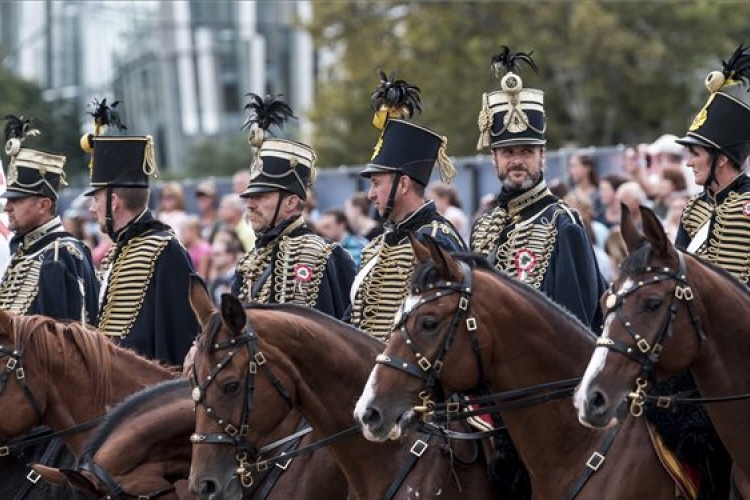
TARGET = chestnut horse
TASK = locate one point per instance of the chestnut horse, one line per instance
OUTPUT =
(670, 311)
(463, 325)
(268, 360)
(140, 450)
(60, 375)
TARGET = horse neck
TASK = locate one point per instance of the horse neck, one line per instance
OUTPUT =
(534, 343)
(163, 436)
(70, 373)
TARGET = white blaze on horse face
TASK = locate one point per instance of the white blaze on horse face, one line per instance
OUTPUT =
(598, 361)
(364, 402)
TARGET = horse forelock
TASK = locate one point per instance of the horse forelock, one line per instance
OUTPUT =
(638, 261)
(148, 399)
(210, 332)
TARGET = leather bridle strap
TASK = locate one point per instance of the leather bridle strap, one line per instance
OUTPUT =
(594, 463)
(15, 365)
(23, 443)
(415, 453)
(116, 490)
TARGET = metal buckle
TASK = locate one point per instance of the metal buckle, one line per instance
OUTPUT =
(424, 363)
(643, 346)
(4, 451)
(664, 402)
(12, 362)
(283, 466)
(453, 407)
(418, 448)
(231, 430)
(463, 303)
(260, 358)
(683, 292)
(244, 430)
(20, 374)
(261, 465)
(471, 323)
(595, 461)
(33, 476)
(252, 367)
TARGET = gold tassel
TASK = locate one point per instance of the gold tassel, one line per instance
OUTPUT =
(149, 159)
(485, 123)
(445, 165)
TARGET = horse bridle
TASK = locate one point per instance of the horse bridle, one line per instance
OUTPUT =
(116, 490)
(15, 365)
(642, 352)
(236, 435)
(423, 368)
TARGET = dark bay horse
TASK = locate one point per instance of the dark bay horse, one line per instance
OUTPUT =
(321, 365)
(479, 326)
(60, 375)
(140, 450)
(667, 312)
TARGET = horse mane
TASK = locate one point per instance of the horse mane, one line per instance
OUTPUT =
(426, 274)
(147, 398)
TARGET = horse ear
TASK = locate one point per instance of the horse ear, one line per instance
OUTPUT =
(80, 480)
(200, 300)
(445, 264)
(421, 252)
(655, 233)
(630, 234)
(233, 312)
(51, 475)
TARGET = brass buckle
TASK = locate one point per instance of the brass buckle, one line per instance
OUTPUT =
(231, 430)
(643, 346)
(20, 374)
(418, 448)
(33, 476)
(683, 292)
(12, 362)
(471, 323)
(4, 451)
(453, 407)
(424, 363)
(595, 461)
(463, 303)
(260, 358)
(664, 402)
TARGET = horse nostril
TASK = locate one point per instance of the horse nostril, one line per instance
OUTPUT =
(597, 401)
(372, 417)
(207, 489)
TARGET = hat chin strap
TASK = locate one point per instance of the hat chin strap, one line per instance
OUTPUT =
(392, 196)
(273, 222)
(109, 221)
(712, 172)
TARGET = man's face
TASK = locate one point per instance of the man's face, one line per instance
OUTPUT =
(25, 214)
(98, 207)
(261, 208)
(699, 160)
(380, 189)
(328, 227)
(518, 167)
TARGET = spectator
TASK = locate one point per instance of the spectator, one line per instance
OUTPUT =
(333, 226)
(487, 203)
(357, 209)
(596, 231)
(584, 179)
(672, 180)
(171, 210)
(311, 212)
(610, 214)
(448, 205)
(198, 247)
(240, 180)
(205, 197)
(676, 204)
(226, 250)
(617, 251)
(232, 216)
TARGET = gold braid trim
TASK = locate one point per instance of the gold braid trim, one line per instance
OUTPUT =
(694, 216)
(249, 268)
(486, 230)
(21, 281)
(727, 245)
(129, 279)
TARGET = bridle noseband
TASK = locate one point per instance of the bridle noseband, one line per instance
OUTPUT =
(236, 434)
(424, 369)
(642, 352)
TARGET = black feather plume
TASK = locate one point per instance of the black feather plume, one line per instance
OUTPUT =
(738, 66)
(107, 116)
(267, 112)
(396, 94)
(511, 62)
(18, 127)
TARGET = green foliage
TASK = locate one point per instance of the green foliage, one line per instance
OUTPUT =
(216, 156)
(57, 121)
(612, 72)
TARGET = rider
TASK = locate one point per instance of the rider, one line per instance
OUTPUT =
(290, 263)
(715, 223)
(144, 304)
(399, 170)
(50, 272)
(532, 234)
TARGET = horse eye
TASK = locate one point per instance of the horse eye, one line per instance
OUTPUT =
(231, 388)
(429, 323)
(652, 305)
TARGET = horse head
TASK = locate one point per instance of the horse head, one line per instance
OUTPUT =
(651, 316)
(434, 349)
(239, 398)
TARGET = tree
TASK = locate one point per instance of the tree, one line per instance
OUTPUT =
(219, 156)
(612, 72)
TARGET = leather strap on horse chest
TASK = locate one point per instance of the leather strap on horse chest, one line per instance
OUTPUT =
(594, 463)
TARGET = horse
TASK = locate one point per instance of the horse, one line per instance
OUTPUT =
(62, 375)
(464, 325)
(670, 311)
(268, 361)
(141, 449)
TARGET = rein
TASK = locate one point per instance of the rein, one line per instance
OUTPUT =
(15, 365)
(116, 490)
(647, 355)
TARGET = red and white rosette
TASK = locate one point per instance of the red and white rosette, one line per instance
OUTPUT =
(526, 261)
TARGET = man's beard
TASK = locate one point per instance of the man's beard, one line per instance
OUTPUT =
(527, 183)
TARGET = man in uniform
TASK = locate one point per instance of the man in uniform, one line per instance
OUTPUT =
(144, 304)
(532, 234)
(716, 223)
(399, 170)
(290, 263)
(50, 272)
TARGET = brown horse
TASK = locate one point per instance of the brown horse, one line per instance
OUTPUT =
(288, 357)
(463, 324)
(61, 374)
(667, 312)
(140, 450)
